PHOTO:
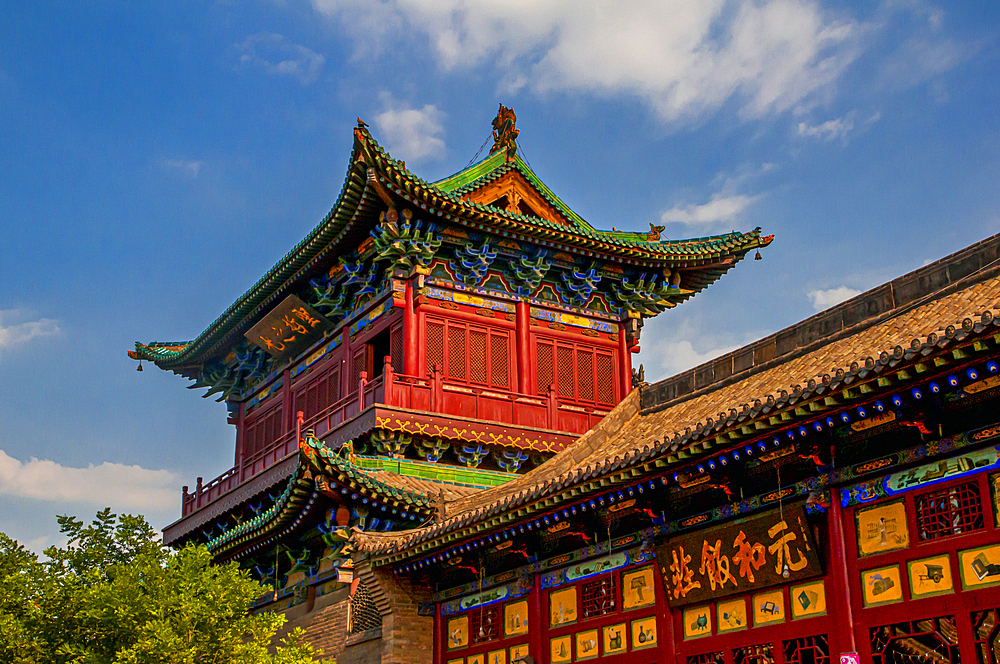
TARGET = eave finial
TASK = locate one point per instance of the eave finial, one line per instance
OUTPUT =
(504, 132)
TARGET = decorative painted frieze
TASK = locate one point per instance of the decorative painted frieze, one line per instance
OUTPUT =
(579, 285)
(471, 262)
(402, 242)
(646, 298)
(528, 273)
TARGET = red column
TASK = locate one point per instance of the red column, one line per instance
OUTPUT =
(625, 361)
(521, 325)
(410, 333)
(346, 362)
(664, 619)
(841, 594)
(240, 436)
(538, 624)
(286, 402)
(440, 636)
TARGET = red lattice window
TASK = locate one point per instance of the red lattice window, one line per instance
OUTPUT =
(545, 367)
(470, 352)
(396, 348)
(952, 511)
(986, 630)
(807, 650)
(759, 654)
(604, 376)
(435, 345)
(564, 371)
(500, 360)
(706, 658)
(314, 397)
(585, 369)
(933, 640)
(600, 596)
(484, 624)
(262, 431)
(477, 356)
(456, 353)
(580, 372)
(357, 366)
(333, 386)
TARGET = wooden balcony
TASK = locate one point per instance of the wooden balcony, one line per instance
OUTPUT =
(433, 394)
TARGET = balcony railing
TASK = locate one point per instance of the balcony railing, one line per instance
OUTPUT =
(433, 393)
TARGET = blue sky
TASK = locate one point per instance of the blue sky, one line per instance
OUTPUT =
(158, 158)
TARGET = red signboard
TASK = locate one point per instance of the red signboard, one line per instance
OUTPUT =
(748, 554)
(291, 328)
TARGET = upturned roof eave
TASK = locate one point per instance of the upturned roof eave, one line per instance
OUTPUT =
(725, 251)
(314, 460)
(300, 258)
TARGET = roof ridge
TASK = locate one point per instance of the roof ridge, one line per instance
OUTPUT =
(876, 305)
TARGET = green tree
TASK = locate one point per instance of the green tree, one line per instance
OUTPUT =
(115, 595)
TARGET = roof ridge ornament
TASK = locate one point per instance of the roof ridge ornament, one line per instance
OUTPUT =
(504, 132)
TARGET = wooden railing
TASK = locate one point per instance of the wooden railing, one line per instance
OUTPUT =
(438, 394)
(433, 393)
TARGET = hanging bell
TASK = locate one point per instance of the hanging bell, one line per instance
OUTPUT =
(757, 256)
(139, 368)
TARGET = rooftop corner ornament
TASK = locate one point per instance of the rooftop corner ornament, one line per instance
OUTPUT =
(504, 132)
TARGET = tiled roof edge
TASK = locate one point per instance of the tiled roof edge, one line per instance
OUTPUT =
(962, 269)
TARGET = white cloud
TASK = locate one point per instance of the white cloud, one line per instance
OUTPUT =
(924, 53)
(678, 356)
(837, 128)
(719, 208)
(15, 331)
(684, 58)
(824, 299)
(726, 204)
(672, 345)
(278, 56)
(109, 484)
(186, 166)
(410, 133)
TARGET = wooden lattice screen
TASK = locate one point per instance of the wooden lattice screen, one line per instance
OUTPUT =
(807, 650)
(951, 511)
(484, 624)
(600, 596)
(362, 612)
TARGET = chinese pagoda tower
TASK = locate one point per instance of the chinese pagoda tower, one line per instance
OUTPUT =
(424, 342)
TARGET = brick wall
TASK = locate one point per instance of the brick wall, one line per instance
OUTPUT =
(406, 637)
(324, 620)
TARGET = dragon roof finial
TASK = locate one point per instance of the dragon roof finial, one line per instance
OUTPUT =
(504, 132)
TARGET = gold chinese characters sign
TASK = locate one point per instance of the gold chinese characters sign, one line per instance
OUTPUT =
(751, 554)
(291, 328)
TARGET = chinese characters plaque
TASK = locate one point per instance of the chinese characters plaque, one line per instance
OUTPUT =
(745, 555)
(291, 328)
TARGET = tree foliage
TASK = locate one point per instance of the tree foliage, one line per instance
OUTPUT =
(115, 595)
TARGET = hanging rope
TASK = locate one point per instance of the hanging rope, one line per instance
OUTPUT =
(479, 152)
(521, 150)
(276, 572)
